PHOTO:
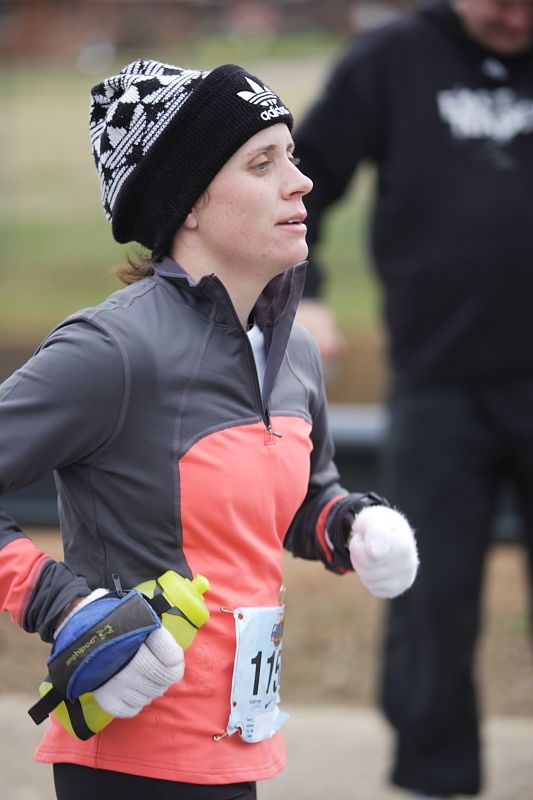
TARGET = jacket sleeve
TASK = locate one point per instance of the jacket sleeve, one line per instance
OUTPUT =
(342, 128)
(61, 407)
(321, 525)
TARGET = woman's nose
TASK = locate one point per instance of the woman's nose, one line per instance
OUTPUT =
(299, 183)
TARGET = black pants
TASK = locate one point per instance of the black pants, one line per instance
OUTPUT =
(73, 782)
(446, 457)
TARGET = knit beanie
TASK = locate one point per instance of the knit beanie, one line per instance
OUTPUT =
(161, 133)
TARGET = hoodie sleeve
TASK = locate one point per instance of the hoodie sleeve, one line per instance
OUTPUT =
(61, 407)
(321, 525)
(343, 127)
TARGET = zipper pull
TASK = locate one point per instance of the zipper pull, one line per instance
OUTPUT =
(118, 586)
(270, 432)
(270, 435)
(273, 432)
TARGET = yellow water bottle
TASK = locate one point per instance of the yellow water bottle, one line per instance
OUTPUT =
(180, 603)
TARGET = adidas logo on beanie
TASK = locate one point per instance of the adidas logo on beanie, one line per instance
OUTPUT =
(161, 133)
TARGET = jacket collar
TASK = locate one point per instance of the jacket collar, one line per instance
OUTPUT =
(274, 311)
(276, 304)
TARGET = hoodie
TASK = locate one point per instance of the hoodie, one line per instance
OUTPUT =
(449, 127)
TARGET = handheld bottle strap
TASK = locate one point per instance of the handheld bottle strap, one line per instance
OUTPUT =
(161, 606)
(43, 707)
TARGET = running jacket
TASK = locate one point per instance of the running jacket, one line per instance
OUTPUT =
(166, 456)
(449, 126)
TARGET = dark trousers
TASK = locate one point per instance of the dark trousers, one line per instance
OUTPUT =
(73, 782)
(446, 456)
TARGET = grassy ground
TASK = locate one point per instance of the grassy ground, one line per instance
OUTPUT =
(332, 638)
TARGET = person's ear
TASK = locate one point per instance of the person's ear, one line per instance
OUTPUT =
(191, 220)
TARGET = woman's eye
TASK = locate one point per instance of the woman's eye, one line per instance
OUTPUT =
(261, 167)
(295, 160)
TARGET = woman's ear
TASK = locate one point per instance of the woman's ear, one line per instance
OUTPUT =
(191, 221)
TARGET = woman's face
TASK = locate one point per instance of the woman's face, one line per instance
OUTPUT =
(251, 219)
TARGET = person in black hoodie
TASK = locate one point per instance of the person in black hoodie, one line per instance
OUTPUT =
(441, 101)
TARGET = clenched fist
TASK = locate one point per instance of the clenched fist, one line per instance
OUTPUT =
(383, 551)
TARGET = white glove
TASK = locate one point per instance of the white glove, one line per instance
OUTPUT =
(157, 664)
(80, 602)
(383, 551)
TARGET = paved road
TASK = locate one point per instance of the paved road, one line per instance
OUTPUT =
(333, 752)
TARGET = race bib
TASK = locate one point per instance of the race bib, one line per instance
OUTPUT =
(255, 712)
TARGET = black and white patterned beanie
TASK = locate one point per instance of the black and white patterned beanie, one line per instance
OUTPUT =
(161, 133)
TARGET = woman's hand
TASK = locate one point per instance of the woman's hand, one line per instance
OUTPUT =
(157, 664)
(383, 551)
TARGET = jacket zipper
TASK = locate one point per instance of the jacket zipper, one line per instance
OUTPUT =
(265, 413)
(263, 410)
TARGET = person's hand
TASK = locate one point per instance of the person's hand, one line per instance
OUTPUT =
(76, 605)
(383, 551)
(157, 664)
(316, 316)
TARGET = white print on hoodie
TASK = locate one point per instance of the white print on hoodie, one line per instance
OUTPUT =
(498, 114)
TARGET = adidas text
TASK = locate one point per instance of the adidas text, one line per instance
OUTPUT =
(277, 111)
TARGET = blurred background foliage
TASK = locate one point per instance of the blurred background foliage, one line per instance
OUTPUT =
(57, 252)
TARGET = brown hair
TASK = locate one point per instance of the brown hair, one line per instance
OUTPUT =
(136, 268)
